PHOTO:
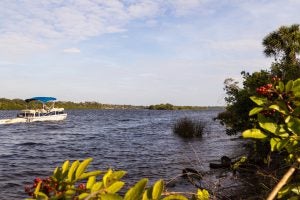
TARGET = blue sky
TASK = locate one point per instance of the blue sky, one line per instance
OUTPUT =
(137, 52)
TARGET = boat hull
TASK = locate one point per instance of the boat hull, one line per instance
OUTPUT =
(13, 121)
(34, 119)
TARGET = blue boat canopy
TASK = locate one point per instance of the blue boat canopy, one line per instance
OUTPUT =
(41, 99)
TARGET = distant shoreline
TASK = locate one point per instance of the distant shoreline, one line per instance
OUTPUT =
(19, 104)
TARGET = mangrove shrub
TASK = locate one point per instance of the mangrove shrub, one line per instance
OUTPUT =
(284, 46)
(277, 114)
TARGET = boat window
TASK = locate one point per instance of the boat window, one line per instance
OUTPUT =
(29, 115)
(20, 115)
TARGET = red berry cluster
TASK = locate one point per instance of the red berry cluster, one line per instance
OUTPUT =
(268, 113)
(48, 186)
(51, 187)
(265, 89)
(81, 186)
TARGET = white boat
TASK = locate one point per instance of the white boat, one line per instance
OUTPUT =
(35, 115)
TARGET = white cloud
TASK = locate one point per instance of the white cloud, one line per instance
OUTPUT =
(71, 50)
(144, 9)
(183, 7)
(48, 23)
(238, 45)
(16, 45)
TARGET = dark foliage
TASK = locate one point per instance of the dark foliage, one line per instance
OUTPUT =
(235, 117)
(188, 128)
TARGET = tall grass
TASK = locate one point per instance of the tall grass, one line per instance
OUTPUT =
(188, 128)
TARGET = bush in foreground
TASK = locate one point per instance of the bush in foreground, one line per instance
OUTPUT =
(277, 113)
(188, 128)
(71, 181)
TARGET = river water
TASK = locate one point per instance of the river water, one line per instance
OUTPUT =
(138, 141)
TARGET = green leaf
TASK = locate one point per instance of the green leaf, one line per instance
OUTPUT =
(259, 100)
(280, 107)
(294, 125)
(137, 190)
(282, 144)
(57, 173)
(82, 167)
(115, 187)
(91, 181)
(88, 174)
(289, 86)
(83, 196)
(296, 189)
(38, 187)
(255, 110)
(281, 86)
(273, 143)
(117, 175)
(96, 187)
(148, 194)
(202, 194)
(65, 166)
(296, 86)
(70, 193)
(73, 167)
(175, 197)
(284, 191)
(42, 196)
(254, 133)
(284, 135)
(292, 147)
(287, 119)
(106, 178)
(269, 125)
(157, 189)
(110, 197)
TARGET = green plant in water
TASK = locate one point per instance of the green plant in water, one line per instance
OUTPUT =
(188, 128)
(71, 181)
(278, 122)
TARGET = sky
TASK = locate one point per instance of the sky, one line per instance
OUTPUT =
(137, 52)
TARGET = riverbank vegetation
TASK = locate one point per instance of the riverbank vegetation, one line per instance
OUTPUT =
(284, 46)
(169, 106)
(18, 104)
(277, 114)
(266, 109)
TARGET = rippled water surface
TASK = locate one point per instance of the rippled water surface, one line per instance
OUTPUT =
(138, 141)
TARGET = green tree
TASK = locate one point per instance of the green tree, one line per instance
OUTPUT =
(282, 44)
(235, 117)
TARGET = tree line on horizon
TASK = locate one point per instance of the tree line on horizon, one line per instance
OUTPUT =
(19, 104)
